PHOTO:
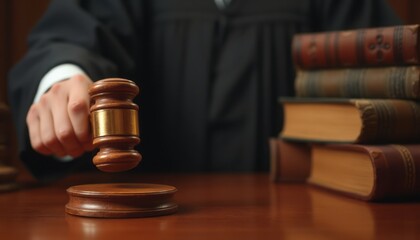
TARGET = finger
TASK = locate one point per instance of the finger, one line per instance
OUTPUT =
(33, 123)
(47, 130)
(78, 110)
(89, 145)
(62, 125)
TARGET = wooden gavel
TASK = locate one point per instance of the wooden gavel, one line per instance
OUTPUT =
(115, 128)
(114, 122)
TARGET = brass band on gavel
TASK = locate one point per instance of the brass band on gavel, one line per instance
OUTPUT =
(114, 122)
(108, 122)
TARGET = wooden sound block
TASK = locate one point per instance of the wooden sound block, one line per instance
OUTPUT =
(121, 200)
(8, 178)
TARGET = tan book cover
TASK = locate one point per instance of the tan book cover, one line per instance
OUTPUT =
(367, 172)
(351, 120)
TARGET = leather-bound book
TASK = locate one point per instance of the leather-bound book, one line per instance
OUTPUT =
(382, 82)
(289, 161)
(332, 215)
(367, 172)
(351, 120)
(385, 46)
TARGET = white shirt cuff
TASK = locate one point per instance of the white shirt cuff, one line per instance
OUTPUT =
(56, 74)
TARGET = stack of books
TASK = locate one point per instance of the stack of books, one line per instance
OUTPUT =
(354, 125)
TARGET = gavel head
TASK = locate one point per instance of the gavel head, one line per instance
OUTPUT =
(114, 121)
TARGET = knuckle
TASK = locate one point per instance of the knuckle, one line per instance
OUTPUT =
(32, 114)
(49, 140)
(78, 106)
(43, 101)
(56, 88)
(64, 134)
(79, 78)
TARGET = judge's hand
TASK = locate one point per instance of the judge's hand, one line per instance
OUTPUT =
(59, 122)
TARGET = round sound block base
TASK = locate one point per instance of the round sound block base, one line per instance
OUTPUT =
(121, 200)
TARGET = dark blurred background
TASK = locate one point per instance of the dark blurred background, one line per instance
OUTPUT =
(19, 16)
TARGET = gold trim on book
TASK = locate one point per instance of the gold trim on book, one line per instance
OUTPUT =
(409, 167)
(108, 122)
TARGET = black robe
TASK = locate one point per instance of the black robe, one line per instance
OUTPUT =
(209, 77)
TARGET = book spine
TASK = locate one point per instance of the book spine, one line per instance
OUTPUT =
(396, 171)
(397, 45)
(388, 120)
(385, 82)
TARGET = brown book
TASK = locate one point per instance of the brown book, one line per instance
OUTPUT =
(384, 82)
(351, 120)
(385, 46)
(367, 172)
(289, 161)
(332, 215)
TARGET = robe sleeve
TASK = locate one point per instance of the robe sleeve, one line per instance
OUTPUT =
(100, 36)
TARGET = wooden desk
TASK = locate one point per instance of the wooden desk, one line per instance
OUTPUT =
(218, 206)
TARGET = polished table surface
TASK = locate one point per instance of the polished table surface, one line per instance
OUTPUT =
(212, 206)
